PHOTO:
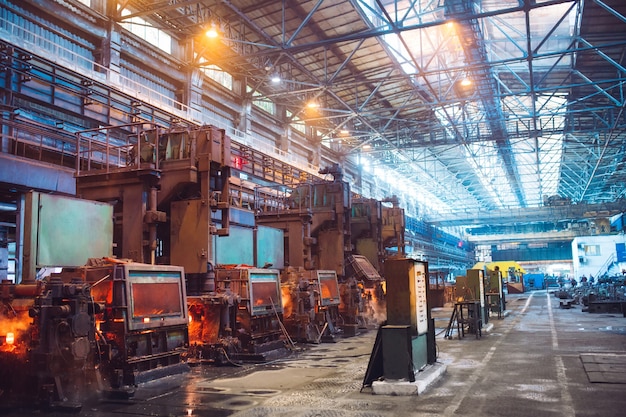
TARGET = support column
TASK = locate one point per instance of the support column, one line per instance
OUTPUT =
(244, 121)
(313, 137)
(285, 138)
(111, 46)
(192, 94)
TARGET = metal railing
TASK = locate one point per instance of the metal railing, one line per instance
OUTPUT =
(37, 143)
(97, 151)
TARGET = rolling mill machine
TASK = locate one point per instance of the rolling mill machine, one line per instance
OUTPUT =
(173, 194)
(377, 229)
(316, 220)
(69, 331)
(170, 189)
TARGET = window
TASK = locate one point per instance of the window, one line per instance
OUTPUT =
(262, 103)
(297, 123)
(216, 74)
(507, 246)
(592, 250)
(145, 31)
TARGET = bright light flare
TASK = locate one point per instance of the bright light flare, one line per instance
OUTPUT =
(212, 32)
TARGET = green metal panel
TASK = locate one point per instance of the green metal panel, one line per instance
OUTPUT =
(62, 231)
(70, 231)
(420, 351)
(236, 248)
(270, 244)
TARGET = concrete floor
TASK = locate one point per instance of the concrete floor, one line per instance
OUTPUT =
(526, 364)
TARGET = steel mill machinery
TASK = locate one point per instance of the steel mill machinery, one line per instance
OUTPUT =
(47, 344)
(312, 301)
(170, 189)
(315, 217)
(47, 326)
(237, 316)
(141, 324)
(377, 230)
(86, 330)
(142, 171)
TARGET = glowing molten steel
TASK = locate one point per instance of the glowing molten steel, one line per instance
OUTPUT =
(16, 331)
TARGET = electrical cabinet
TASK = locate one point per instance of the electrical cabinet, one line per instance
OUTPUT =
(407, 287)
(472, 288)
(406, 281)
(493, 292)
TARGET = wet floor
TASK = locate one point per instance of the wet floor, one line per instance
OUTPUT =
(530, 363)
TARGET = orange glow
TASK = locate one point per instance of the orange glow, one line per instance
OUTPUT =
(326, 292)
(212, 32)
(287, 302)
(376, 311)
(15, 331)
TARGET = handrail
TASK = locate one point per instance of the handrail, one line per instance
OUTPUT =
(107, 156)
(607, 265)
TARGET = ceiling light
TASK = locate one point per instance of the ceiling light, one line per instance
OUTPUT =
(312, 104)
(212, 32)
(275, 78)
(344, 131)
(466, 82)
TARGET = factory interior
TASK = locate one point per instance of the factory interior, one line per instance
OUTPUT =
(359, 208)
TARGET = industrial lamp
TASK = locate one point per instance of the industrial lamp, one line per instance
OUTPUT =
(212, 32)
(275, 78)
